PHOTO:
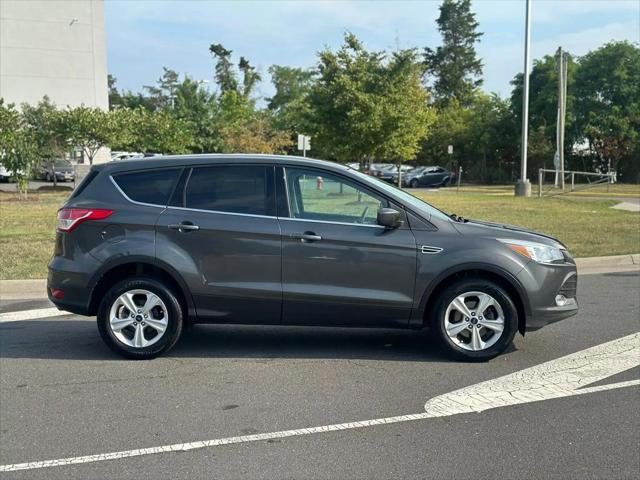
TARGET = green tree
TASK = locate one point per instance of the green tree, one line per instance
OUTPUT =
(455, 66)
(197, 107)
(608, 106)
(289, 105)
(89, 129)
(151, 132)
(368, 105)
(162, 95)
(115, 99)
(49, 132)
(224, 74)
(543, 105)
(18, 152)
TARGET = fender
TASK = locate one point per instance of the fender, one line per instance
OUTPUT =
(123, 260)
(418, 313)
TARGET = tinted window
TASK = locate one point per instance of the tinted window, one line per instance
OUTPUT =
(317, 195)
(152, 186)
(234, 189)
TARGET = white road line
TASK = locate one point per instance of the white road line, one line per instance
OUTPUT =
(31, 314)
(558, 378)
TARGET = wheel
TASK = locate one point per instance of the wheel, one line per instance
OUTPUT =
(140, 318)
(47, 178)
(413, 183)
(475, 320)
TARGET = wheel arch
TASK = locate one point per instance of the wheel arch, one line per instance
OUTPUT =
(119, 269)
(490, 272)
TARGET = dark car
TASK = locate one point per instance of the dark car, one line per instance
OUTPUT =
(390, 173)
(427, 177)
(62, 169)
(152, 245)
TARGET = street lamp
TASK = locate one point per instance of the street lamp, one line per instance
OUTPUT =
(523, 187)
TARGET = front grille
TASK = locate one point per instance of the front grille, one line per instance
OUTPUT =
(569, 287)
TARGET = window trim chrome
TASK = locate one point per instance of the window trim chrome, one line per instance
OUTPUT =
(331, 223)
(219, 212)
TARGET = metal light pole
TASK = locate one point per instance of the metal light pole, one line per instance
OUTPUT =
(523, 187)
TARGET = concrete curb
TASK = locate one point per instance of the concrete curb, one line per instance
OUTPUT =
(37, 289)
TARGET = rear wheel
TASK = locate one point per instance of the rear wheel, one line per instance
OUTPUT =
(475, 320)
(140, 318)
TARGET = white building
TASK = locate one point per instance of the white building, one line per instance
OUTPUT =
(55, 48)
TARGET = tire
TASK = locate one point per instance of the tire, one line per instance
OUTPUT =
(413, 183)
(121, 339)
(462, 346)
(47, 178)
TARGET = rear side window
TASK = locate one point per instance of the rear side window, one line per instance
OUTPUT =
(152, 186)
(84, 183)
(234, 189)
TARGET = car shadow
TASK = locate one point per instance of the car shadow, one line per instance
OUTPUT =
(79, 340)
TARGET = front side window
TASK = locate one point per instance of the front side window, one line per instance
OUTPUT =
(233, 189)
(151, 186)
(315, 195)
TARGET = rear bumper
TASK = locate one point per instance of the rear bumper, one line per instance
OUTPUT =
(77, 294)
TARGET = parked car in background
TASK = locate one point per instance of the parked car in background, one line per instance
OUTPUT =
(61, 168)
(428, 177)
(150, 246)
(123, 155)
(374, 168)
(4, 174)
(354, 165)
(390, 173)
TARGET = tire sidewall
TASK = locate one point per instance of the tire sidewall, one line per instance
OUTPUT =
(174, 324)
(413, 184)
(500, 295)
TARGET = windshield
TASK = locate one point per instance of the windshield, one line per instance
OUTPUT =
(409, 199)
(62, 163)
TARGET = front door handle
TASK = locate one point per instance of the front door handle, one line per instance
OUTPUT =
(184, 227)
(307, 237)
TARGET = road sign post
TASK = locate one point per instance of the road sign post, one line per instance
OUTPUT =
(304, 144)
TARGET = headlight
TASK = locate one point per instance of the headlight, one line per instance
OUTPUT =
(535, 251)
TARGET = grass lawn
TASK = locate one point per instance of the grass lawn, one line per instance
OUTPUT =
(588, 226)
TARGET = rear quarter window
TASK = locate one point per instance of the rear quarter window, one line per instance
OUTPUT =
(151, 186)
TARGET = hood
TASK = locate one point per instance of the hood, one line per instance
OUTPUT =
(64, 169)
(500, 230)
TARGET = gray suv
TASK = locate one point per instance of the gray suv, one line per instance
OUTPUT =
(151, 245)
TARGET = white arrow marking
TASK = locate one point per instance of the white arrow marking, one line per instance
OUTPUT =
(31, 314)
(555, 379)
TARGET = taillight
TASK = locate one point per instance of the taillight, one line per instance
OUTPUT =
(69, 218)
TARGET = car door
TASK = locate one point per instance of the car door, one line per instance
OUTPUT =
(338, 266)
(220, 231)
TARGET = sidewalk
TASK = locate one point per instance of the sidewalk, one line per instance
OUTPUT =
(37, 289)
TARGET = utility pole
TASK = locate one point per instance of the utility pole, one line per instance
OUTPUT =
(563, 61)
(523, 187)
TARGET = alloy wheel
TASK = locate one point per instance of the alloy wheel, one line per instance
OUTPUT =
(474, 321)
(138, 318)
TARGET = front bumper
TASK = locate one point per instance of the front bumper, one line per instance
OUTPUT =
(551, 292)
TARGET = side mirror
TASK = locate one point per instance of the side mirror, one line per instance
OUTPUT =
(389, 218)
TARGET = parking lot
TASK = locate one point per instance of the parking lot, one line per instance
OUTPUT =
(266, 402)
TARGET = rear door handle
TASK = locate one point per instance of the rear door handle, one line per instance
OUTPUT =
(184, 227)
(307, 237)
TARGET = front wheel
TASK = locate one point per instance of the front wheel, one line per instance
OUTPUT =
(140, 318)
(475, 320)
(413, 183)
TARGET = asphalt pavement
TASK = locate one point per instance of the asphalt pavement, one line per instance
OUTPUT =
(64, 395)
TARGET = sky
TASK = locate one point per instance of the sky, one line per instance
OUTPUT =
(145, 35)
